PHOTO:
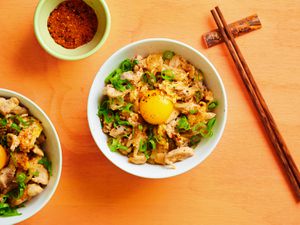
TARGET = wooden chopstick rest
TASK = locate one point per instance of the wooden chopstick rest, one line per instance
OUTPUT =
(238, 28)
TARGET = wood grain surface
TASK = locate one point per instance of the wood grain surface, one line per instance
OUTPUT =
(240, 183)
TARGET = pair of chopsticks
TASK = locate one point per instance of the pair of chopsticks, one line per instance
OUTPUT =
(264, 113)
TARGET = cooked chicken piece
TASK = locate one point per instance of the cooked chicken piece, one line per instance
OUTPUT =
(119, 130)
(6, 177)
(117, 103)
(160, 158)
(28, 135)
(178, 154)
(200, 117)
(208, 115)
(38, 151)
(18, 110)
(110, 91)
(170, 128)
(7, 105)
(134, 119)
(190, 69)
(138, 159)
(179, 74)
(13, 141)
(154, 63)
(34, 189)
(106, 127)
(173, 116)
(180, 140)
(129, 75)
(187, 107)
(208, 96)
(42, 174)
(175, 62)
(20, 159)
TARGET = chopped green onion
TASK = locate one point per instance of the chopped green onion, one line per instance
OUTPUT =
(143, 146)
(15, 127)
(206, 133)
(115, 145)
(3, 122)
(135, 62)
(118, 121)
(195, 140)
(103, 110)
(127, 108)
(23, 122)
(21, 177)
(140, 127)
(212, 105)
(152, 144)
(167, 75)
(198, 96)
(47, 164)
(126, 65)
(211, 123)
(183, 124)
(198, 127)
(6, 210)
(168, 55)
(193, 111)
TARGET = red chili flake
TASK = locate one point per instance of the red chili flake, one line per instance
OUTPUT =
(73, 23)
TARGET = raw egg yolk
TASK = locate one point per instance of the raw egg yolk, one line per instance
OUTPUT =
(3, 157)
(155, 107)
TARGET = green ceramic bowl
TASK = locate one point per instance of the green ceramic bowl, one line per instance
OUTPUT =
(43, 10)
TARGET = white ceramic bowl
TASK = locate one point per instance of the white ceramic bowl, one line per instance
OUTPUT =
(53, 151)
(145, 47)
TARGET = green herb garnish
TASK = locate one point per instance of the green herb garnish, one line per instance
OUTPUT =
(15, 127)
(167, 75)
(149, 78)
(115, 145)
(168, 55)
(118, 121)
(105, 111)
(126, 65)
(127, 107)
(6, 210)
(212, 105)
(135, 62)
(23, 122)
(194, 140)
(211, 123)
(198, 96)
(183, 124)
(193, 111)
(47, 164)
(3, 122)
(140, 127)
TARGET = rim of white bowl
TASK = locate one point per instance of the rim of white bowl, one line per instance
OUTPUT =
(36, 209)
(217, 136)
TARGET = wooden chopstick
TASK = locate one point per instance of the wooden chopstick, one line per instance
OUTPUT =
(260, 104)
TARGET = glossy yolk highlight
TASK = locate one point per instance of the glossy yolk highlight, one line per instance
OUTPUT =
(155, 108)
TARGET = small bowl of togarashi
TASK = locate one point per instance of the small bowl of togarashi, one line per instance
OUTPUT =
(71, 29)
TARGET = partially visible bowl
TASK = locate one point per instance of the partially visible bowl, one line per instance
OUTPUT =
(42, 12)
(53, 151)
(145, 47)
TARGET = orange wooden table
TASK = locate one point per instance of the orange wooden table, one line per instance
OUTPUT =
(240, 183)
